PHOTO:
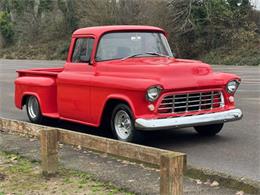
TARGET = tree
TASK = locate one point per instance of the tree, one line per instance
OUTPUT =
(70, 20)
(6, 28)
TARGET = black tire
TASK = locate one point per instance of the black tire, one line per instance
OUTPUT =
(33, 110)
(209, 130)
(128, 131)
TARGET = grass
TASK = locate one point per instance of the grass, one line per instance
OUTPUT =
(246, 54)
(21, 176)
(49, 50)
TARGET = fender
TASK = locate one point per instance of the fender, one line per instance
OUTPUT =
(35, 81)
(30, 94)
(122, 98)
(117, 97)
(44, 89)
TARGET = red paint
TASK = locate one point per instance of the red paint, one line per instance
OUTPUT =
(79, 92)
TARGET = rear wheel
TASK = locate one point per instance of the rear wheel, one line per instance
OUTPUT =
(122, 124)
(33, 110)
(209, 130)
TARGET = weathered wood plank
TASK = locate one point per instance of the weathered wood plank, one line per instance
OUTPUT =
(49, 151)
(21, 127)
(171, 173)
(127, 150)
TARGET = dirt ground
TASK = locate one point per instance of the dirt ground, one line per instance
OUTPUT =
(20, 176)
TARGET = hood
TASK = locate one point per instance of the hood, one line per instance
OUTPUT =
(171, 73)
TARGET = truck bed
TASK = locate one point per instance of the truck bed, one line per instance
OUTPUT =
(53, 72)
(40, 83)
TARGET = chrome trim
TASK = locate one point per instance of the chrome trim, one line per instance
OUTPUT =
(188, 121)
(192, 101)
(122, 124)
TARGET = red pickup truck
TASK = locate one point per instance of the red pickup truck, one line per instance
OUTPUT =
(127, 78)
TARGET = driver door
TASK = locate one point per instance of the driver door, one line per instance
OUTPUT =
(75, 81)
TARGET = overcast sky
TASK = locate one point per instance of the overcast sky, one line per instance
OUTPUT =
(256, 3)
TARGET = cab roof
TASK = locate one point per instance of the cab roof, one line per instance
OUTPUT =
(100, 30)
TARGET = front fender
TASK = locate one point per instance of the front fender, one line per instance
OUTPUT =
(123, 98)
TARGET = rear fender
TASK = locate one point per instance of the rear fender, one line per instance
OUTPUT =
(44, 89)
(27, 94)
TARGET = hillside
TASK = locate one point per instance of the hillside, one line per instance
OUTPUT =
(217, 31)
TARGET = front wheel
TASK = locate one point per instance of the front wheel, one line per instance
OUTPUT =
(122, 124)
(33, 110)
(209, 130)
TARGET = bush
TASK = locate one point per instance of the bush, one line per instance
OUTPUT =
(6, 28)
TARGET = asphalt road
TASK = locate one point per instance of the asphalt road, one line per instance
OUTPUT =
(234, 151)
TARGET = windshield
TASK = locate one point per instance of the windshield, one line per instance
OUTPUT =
(120, 45)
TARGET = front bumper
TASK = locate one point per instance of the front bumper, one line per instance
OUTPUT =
(188, 121)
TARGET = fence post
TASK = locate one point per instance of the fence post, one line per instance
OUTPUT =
(49, 151)
(172, 166)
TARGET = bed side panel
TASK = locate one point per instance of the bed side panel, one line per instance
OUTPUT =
(44, 88)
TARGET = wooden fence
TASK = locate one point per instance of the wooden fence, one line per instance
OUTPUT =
(172, 164)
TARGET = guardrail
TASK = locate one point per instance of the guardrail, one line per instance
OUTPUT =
(172, 164)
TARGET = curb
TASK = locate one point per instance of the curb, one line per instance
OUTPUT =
(239, 183)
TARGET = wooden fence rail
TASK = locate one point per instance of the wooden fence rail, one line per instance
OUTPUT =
(172, 164)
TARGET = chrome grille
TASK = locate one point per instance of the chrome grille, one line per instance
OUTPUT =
(188, 102)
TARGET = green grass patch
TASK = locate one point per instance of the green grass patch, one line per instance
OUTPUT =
(22, 176)
(246, 54)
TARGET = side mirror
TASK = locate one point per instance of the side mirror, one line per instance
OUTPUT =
(84, 58)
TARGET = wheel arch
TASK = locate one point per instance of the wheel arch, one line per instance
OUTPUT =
(110, 104)
(25, 96)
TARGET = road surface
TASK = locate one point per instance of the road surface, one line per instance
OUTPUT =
(234, 151)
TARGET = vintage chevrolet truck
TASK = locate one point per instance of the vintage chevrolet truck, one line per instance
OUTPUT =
(127, 78)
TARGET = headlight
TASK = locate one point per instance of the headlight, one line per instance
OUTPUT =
(153, 93)
(232, 86)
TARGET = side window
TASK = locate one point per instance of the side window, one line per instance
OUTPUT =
(82, 50)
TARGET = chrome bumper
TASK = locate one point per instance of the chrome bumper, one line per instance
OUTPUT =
(188, 121)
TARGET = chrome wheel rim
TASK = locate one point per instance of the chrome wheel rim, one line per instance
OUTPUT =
(33, 107)
(123, 125)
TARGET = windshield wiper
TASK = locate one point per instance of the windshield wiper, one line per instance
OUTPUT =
(150, 53)
(157, 54)
(131, 56)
